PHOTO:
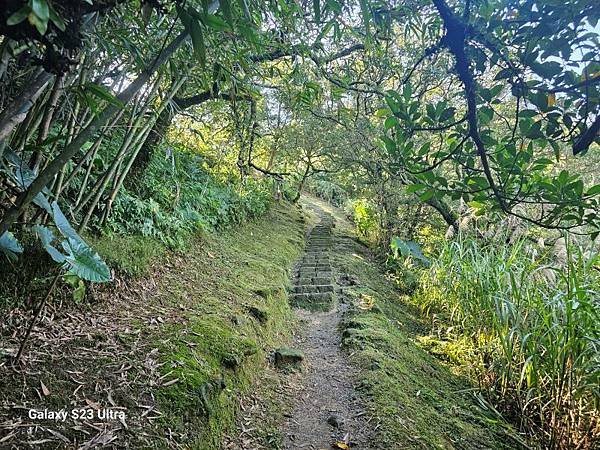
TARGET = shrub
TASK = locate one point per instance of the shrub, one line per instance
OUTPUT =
(178, 198)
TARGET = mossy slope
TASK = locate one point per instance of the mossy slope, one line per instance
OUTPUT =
(235, 285)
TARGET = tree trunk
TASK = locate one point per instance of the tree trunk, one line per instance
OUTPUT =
(445, 211)
(57, 90)
(16, 112)
(144, 156)
(301, 186)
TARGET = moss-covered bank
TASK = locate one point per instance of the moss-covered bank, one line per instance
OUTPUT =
(236, 282)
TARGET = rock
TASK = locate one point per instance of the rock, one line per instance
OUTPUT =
(335, 421)
(258, 314)
(287, 357)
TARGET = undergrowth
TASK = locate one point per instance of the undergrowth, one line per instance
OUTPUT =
(178, 197)
(528, 328)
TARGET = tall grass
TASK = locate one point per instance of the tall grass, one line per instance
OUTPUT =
(535, 329)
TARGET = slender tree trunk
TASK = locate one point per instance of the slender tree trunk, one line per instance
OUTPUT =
(138, 146)
(57, 90)
(89, 157)
(155, 138)
(70, 150)
(301, 186)
(136, 131)
(16, 112)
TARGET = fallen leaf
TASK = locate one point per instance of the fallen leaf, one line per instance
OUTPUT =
(170, 382)
(45, 390)
(341, 445)
(366, 302)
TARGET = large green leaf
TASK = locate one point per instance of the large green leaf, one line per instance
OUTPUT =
(63, 224)
(10, 246)
(84, 262)
(408, 249)
(47, 237)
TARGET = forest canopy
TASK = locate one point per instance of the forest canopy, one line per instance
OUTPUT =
(484, 103)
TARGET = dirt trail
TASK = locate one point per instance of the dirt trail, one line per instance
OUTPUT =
(326, 411)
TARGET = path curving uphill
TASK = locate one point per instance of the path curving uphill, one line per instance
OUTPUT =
(327, 411)
(313, 287)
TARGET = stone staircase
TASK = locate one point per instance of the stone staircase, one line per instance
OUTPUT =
(313, 278)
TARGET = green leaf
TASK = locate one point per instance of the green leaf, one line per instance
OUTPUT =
(40, 25)
(10, 246)
(540, 100)
(79, 292)
(57, 20)
(18, 16)
(393, 103)
(364, 10)
(63, 224)
(563, 177)
(40, 9)
(430, 111)
(408, 249)
(226, 8)
(216, 23)
(414, 188)
(47, 237)
(447, 114)
(84, 262)
(103, 93)
(390, 145)
(535, 131)
(317, 10)
(78, 286)
(424, 149)
(390, 122)
(427, 195)
(485, 114)
(594, 190)
(198, 41)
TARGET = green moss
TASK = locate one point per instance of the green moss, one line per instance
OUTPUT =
(130, 255)
(421, 402)
(235, 283)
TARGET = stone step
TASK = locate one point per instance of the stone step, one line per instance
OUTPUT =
(314, 272)
(307, 280)
(313, 297)
(324, 266)
(319, 257)
(316, 260)
(312, 288)
(312, 265)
